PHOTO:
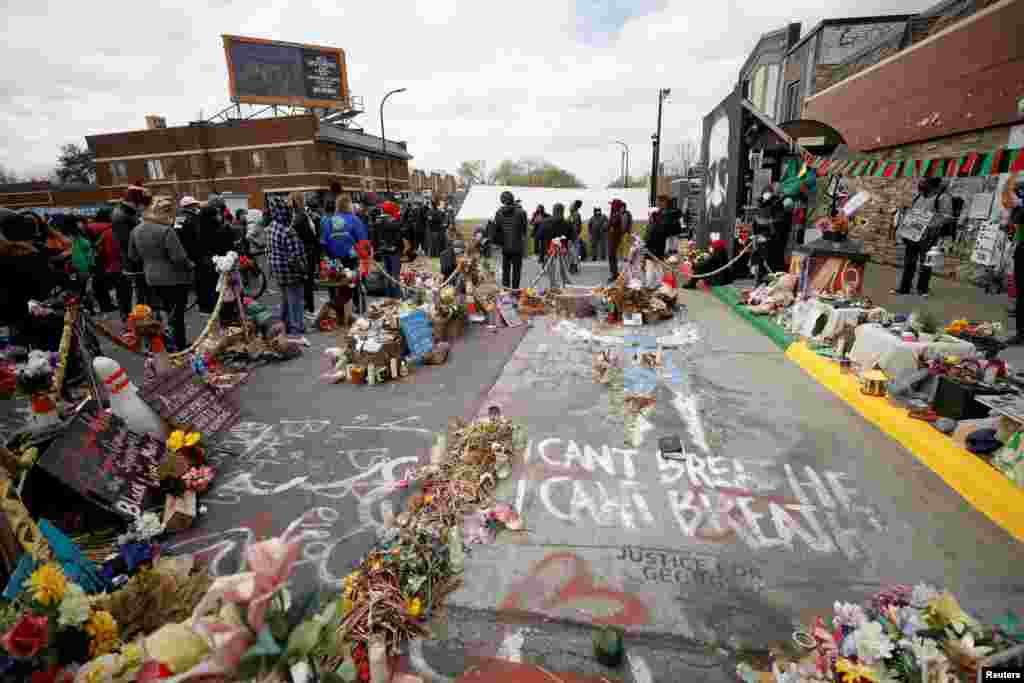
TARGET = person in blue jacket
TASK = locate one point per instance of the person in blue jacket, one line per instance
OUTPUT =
(339, 239)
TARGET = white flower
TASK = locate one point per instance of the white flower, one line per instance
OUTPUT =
(966, 647)
(924, 649)
(74, 608)
(873, 644)
(910, 621)
(849, 614)
(922, 594)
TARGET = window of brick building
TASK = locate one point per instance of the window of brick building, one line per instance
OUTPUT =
(222, 164)
(293, 160)
(256, 160)
(154, 169)
(118, 171)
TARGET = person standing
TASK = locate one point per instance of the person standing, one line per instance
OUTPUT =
(1015, 222)
(390, 235)
(536, 220)
(511, 223)
(125, 217)
(166, 266)
(339, 242)
(555, 227)
(931, 210)
(598, 236)
(576, 225)
(303, 226)
(435, 224)
(620, 224)
(209, 222)
(257, 239)
(108, 253)
(288, 266)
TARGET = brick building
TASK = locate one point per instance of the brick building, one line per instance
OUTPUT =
(252, 158)
(440, 185)
(951, 87)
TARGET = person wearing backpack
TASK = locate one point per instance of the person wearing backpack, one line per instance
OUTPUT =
(928, 219)
(345, 231)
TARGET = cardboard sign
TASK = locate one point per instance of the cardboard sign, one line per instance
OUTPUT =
(418, 333)
(989, 245)
(115, 468)
(914, 223)
(509, 313)
(185, 401)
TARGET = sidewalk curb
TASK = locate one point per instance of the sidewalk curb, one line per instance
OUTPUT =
(979, 484)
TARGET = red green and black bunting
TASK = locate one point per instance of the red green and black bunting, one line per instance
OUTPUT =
(994, 162)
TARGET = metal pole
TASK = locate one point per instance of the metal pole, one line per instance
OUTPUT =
(383, 141)
(656, 142)
(625, 172)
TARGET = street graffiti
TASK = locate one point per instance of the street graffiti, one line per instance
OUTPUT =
(563, 583)
(689, 569)
(758, 502)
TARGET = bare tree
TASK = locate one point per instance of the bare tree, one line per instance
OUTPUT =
(8, 176)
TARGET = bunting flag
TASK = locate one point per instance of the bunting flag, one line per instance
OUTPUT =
(994, 162)
(1017, 162)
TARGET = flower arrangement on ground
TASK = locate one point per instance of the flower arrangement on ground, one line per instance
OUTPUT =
(36, 375)
(51, 628)
(904, 633)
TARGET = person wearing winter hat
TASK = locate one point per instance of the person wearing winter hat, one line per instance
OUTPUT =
(126, 216)
(168, 270)
(389, 233)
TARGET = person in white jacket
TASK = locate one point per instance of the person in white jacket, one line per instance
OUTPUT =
(258, 237)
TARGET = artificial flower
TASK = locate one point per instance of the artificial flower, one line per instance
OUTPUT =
(848, 614)
(27, 637)
(74, 608)
(873, 644)
(153, 671)
(132, 657)
(177, 646)
(414, 607)
(103, 630)
(944, 610)
(47, 584)
(176, 440)
(55, 674)
(193, 438)
(856, 673)
(909, 620)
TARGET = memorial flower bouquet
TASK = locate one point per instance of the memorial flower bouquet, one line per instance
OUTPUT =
(51, 628)
(36, 375)
(198, 479)
(903, 633)
(188, 444)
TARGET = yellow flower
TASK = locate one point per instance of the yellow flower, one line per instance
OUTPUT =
(427, 500)
(377, 565)
(176, 440)
(856, 673)
(132, 656)
(346, 605)
(48, 584)
(193, 438)
(177, 646)
(944, 610)
(414, 607)
(96, 675)
(102, 628)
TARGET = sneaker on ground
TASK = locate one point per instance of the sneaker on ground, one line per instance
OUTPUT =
(898, 292)
(299, 339)
(923, 294)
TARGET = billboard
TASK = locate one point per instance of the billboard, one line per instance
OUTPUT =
(274, 72)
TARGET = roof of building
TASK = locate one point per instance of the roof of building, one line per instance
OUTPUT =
(877, 19)
(768, 36)
(371, 143)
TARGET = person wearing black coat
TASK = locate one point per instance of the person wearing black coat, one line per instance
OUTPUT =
(25, 272)
(435, 224)
(126, 215)
(510, 222)
(305, 228)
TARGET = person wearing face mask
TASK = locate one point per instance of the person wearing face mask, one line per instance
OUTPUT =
(920, 229)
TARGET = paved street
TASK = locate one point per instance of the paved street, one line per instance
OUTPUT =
(787, 501)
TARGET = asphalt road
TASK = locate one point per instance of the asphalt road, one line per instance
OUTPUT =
(787, 500)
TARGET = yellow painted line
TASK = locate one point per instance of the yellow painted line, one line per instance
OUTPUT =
(979, 484)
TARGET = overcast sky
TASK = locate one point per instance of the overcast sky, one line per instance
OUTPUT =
(558, 79)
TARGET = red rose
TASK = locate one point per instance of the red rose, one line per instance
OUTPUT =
(54, 675)
(153, 671)
(364, 671)
(27, 637)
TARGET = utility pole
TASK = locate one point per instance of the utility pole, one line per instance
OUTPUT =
(656, 144)
(383, 141)
(625, 163)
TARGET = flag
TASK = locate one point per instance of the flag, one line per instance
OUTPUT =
(970, 164)
(1017, 162)
(952, 166)
(997, 160)
(823, 168)
(986, 163)
(924, 166)
(910, 168)
(892, 169)
(880, 169)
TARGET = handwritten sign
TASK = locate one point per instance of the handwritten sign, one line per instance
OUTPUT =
(914, 224)
(185, 401)
(98, 457)
(509, 313)
(988, 245)
(418, 333)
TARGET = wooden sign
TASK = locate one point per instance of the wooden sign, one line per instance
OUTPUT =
(115, 468)
(185, 401)
(418, 333)
(509, 313)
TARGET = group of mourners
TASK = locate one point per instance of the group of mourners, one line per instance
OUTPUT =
(599, 239)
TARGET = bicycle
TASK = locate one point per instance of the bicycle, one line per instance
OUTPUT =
(254, 280)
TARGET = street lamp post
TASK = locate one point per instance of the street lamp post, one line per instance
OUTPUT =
(625, 163)
(656, 144)
(383, 141)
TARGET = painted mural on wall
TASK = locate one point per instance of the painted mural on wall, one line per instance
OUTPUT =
(718, 168)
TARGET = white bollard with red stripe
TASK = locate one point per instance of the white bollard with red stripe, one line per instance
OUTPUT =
(125, 401)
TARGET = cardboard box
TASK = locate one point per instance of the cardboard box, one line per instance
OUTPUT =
(180, 513)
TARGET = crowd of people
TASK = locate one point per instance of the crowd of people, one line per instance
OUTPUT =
(599, 239)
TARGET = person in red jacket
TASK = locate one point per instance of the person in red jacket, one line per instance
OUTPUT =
(108, 252)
